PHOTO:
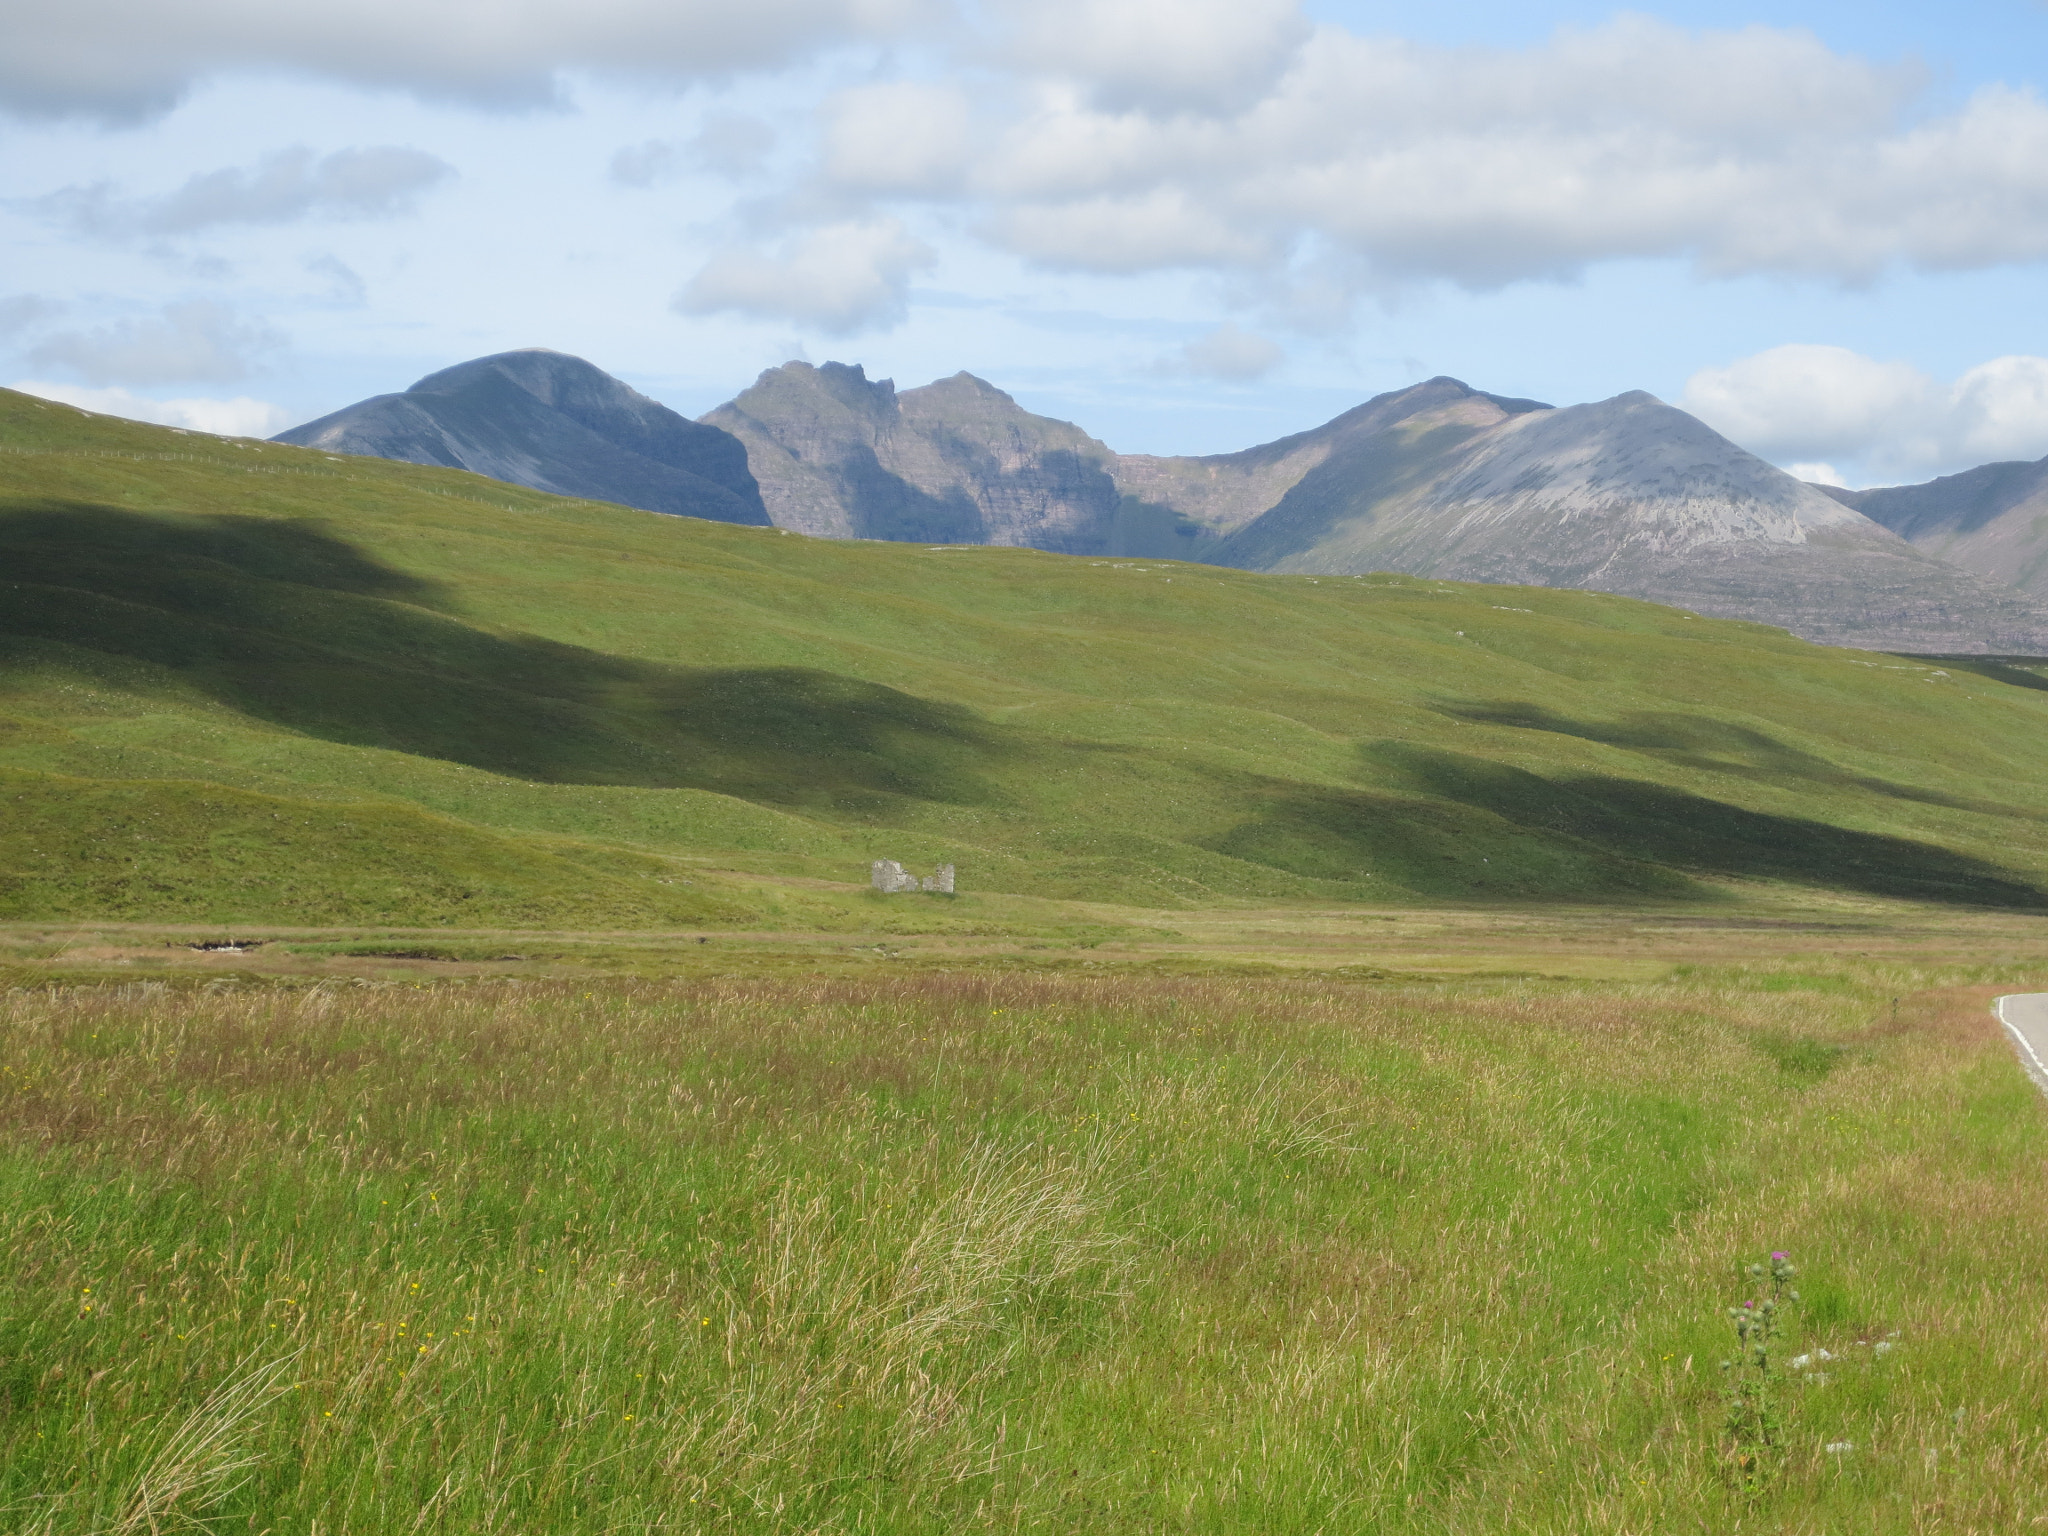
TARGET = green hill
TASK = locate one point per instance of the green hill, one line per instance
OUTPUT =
(252, 681)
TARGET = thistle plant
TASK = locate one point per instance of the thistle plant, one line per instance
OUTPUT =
(1753, 1430)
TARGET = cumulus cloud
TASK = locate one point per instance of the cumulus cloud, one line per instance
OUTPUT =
(195, 342)
(903, 137)
(239, 417)
(1156, 55)
(281, 188)
(1228, 353)
(1809, 406)
(1387, 162)
(1817, 473)
(127, 60)
(840, 278)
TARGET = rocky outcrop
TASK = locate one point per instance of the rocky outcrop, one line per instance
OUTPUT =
(840, 455)
(555, 423)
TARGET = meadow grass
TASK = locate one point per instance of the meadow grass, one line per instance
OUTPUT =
(949, 1252)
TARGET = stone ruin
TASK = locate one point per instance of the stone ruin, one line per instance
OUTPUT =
(890, 876)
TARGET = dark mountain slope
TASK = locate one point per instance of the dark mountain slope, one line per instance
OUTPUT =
(553, 422)
(1992, 519)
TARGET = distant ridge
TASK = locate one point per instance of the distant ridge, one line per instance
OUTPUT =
(555, 423)
(1992, 519)
(1628, 495)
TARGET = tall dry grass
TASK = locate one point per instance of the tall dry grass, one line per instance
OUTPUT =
(953, 1253)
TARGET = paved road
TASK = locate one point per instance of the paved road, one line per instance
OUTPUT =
(2025, 1016)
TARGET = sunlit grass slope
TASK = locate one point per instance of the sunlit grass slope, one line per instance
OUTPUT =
(243, 680)
(949, 1254)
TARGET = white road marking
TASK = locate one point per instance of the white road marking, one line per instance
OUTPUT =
(2030, 1033)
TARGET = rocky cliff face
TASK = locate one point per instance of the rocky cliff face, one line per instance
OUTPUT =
(557, 424)
(1992, 519)
(840, 455)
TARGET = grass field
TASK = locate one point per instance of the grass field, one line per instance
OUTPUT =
(1380, 1020)
(246, 682)
(926, 1249)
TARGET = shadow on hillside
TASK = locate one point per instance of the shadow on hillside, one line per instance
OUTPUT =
(884, 505)
(2016, 671)
(145, 551)
(1346, 486)
(288, 624)
(1379, 844)
(1716, 746)
(1688, 832)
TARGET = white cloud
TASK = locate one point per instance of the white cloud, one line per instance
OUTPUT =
(239, 417)
(840, 278)
(902, 137)
(1156, 55)
(2001, 408)
(1140, 232)
(1816, 474)
(1808, 400)
(1228, 353)
(1814, 405)
(196, 341)
(281, 188)
(127, 60)
(1387, 162)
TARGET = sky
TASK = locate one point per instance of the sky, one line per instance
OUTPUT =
(1188, 225)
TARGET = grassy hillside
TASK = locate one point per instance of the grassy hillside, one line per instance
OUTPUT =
(244, 680)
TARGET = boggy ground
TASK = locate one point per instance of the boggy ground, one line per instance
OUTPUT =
(923, 1245)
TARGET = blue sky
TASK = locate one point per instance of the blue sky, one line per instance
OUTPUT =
(1189, 225)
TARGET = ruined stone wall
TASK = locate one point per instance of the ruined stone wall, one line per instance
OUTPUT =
(888, 876)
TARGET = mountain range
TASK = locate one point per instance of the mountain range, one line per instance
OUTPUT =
(1628, 495)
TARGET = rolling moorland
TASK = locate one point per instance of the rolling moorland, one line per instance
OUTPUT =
(252, 681)
(1381, 1019)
